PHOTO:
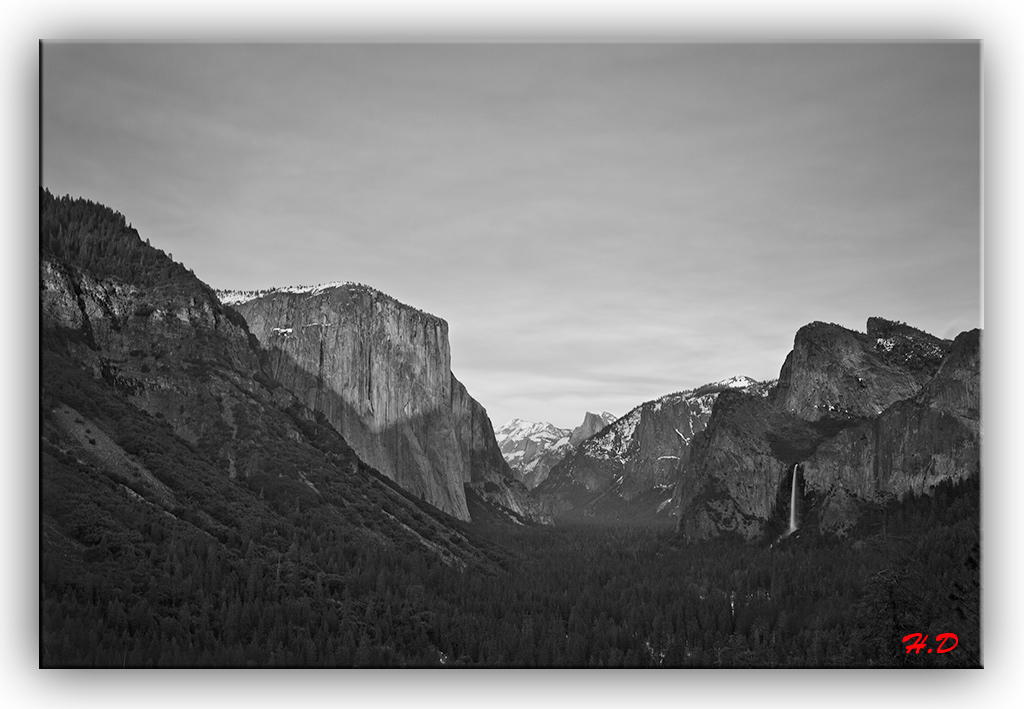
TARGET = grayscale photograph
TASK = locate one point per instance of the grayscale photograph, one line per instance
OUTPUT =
(510, 355)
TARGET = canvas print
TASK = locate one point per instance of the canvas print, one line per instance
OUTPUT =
(592, 355)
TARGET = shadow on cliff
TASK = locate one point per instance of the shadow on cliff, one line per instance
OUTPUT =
(754, 435)
(434, 456)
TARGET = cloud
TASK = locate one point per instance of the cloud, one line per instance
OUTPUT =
(597, 223)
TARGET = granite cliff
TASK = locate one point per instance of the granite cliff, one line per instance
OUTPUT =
(381, 373)
(910, 448)
(865, 415)
(836, 373)
(592, 424)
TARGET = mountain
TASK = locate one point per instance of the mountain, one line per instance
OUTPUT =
(631, 466)
(839, 374)
(911, 447)
(532, 449)
(191, 507)
(860, 417)
(592, 423)
(380, 371)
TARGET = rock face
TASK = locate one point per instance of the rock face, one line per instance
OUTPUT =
(140, 340)
(833, 372)
(152, 389)
(592, 423)
(532, 449)
(635, 461)
(865, 416)
(911, 447)
(381, 373)
(738, 466)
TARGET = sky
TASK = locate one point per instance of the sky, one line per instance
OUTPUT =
(600, 224)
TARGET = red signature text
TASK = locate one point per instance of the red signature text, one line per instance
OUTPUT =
(946, 641)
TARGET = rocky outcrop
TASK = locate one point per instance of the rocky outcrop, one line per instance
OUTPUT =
(836, 373)
(112, 315)
(141, 340)
(592, 424)
(636, 458)
(381, 373)
(738, 466)
(867, 416)
(911, 447)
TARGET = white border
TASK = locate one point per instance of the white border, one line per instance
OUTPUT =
(579, 21)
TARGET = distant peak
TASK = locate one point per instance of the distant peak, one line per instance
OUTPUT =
(523, 424)
(737, 382)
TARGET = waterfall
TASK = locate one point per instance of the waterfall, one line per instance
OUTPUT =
(792, 504)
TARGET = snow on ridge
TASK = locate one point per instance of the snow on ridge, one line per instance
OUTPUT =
(616, 440)
(521, 425)
(317, 289)
(517, 430)
(737, 382)
(530, 448)
(233, 297)
(510, 424)
(237, 297)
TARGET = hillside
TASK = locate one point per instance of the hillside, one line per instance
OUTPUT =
(192, 511)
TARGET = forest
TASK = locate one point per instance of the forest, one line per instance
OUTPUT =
(154, 591)
(100, 240)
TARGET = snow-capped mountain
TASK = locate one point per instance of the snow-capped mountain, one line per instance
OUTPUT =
(532, 449)
(639, 456)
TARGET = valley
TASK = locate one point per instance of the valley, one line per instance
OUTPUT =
(295, 477)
